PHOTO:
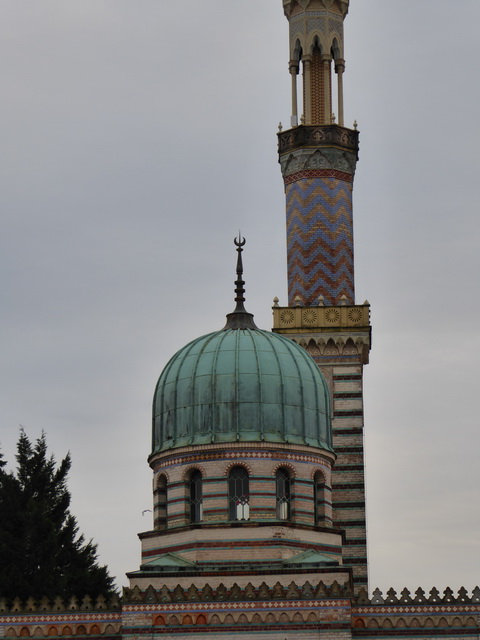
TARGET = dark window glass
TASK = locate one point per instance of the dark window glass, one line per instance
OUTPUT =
(238, 494)
(283, 486)
(319, 497)
(196, 497)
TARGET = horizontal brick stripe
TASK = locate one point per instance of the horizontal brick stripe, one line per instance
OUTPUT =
(264, 628)
(223, 544)
(176, 485)
(339, 431)
(341, 395)
(357, 413)
(350, 505)
(302, 481)
(302, 497)
(301, 512)
(307, 174)
(352, 561)
(262, 493)
(347, 376)
(338, 486)
(220, 511)
(342, 524)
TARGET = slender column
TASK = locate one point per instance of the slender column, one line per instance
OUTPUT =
(327, 75)
(340, 68)
(294, 73)
(307, 89)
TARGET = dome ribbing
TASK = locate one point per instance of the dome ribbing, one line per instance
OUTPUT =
(241, 385)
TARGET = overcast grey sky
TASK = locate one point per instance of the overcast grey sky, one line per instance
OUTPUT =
(137, 137)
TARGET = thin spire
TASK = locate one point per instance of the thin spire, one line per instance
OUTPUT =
(240, 318)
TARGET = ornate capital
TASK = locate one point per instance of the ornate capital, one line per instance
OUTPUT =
(293, 67)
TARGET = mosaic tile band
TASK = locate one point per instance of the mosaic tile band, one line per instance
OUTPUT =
(320, 240)
(318, 173)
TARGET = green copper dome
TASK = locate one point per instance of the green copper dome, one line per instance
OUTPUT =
(241, 384)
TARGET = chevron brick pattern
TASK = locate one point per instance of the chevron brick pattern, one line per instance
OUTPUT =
(320, 240)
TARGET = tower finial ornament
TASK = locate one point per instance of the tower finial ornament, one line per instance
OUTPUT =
(240, 318)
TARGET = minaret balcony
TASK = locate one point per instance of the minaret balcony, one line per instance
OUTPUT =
(315, 136)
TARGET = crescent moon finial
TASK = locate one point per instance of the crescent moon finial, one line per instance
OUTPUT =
(241, 241)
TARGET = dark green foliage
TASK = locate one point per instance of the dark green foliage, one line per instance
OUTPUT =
(41, 551)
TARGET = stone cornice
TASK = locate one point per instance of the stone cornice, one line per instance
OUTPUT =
(322, 318)
(318, 136)
(292, 6)
(234, 450)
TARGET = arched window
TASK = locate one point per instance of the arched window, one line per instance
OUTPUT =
(238, 494)
(283, 493)
(196, 497)
(319, 497)
(160, 503)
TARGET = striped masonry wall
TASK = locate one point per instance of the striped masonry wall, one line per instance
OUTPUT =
(342, 365)
(348, 478)
(262, 461)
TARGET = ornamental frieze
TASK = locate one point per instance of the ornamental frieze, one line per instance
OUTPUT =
(348, 316)
(313, 159)
(318, 136)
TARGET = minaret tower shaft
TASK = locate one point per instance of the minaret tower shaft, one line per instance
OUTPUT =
(318, 157)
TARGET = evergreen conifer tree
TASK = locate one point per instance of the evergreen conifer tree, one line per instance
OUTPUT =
(41, 550)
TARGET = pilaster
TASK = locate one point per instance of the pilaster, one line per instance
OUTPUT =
(339, 340)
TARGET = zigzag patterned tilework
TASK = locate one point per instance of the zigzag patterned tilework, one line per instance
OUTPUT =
(320, 240)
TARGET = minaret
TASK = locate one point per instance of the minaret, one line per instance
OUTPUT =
(318, 157)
